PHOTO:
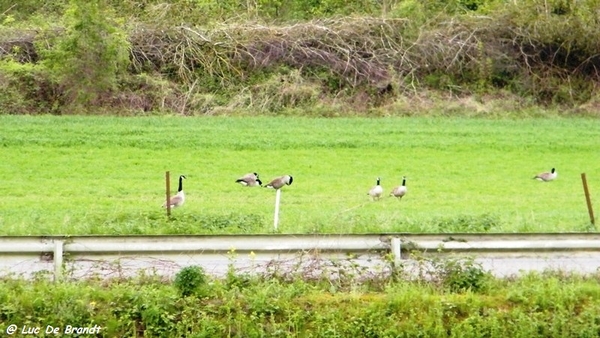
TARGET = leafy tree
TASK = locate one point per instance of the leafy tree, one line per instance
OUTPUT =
(87, 58)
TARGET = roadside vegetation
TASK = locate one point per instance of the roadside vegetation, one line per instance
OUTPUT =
(456, 299)
(290, 57)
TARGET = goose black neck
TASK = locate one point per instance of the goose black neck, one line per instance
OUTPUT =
(180, 184)
(553, 169)
(404, 181)
(378, 181)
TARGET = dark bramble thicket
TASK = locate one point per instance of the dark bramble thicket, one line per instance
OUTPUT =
(277, 56)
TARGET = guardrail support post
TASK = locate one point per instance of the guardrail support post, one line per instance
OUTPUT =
(396, 250)
(58, 259)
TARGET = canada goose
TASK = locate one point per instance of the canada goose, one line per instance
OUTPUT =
(179, 198)
(376, 191)
(249, 180)
(547, 176)
(399, 191)
(279, 182)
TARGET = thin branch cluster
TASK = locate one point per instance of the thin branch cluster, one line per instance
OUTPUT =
(367, 52)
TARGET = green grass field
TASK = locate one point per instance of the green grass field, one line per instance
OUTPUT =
(105, 175)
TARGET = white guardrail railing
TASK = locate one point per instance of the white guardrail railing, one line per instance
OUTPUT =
(56, 249)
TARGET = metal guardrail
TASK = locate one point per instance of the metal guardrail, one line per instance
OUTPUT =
(56, 248)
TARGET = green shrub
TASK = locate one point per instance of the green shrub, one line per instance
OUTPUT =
(467, 223)
(23, 10)
(190, 281)
(87, 59)
(455, 274)
(28, 89)
(460, 275)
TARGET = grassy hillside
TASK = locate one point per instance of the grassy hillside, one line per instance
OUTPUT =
(291, 57)
(105, 175)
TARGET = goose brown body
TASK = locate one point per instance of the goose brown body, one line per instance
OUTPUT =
(376, 191)
(249, 180)
(179, 198)
(279, 182)
(547, 176)
(400, 190)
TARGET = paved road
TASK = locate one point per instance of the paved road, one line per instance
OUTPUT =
(107, 266)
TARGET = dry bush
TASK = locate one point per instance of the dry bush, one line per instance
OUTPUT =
(18, 45)
(278, 92)
(353, 63)
(356, 50)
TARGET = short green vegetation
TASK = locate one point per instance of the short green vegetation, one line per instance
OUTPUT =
(106, 175)
(533, 305)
